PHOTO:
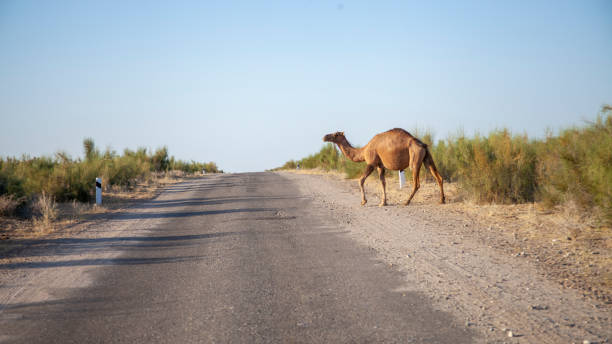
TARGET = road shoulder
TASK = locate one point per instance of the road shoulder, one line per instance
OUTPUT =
(443, 255)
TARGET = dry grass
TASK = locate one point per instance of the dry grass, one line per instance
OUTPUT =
(56, 219)
(46, 212)
(77, 209)
(8, 205)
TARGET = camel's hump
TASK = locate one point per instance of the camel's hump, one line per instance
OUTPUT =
(402, 131)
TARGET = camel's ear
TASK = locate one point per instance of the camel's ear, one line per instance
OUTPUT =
(342, 133)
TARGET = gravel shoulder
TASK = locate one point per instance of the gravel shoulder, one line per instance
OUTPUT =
(466, 266)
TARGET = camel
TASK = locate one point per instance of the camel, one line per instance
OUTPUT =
(395, 149)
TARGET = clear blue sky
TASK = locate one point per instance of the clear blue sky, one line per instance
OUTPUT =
(252, 84)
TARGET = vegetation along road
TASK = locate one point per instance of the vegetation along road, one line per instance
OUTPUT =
(282, 257)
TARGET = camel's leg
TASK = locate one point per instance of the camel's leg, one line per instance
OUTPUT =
(434, 172)
(381, 176)
(415, 181)
(367, 172)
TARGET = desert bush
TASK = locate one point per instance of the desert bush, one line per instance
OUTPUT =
(442, 154)
(289, 165)
(45, 210)
(71, 180)
(327, 158)
(64, 179)
(8, 205)
(576, 167)
(89, 147)
(211, 167)
(126, 171)
(499, 168)
(160, 160)
(352, 169)
(10, 182)
(193, 166)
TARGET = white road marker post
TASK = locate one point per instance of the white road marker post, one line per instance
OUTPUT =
(402, 179)
(98, 191)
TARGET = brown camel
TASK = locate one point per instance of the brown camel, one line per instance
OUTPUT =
(395, 149)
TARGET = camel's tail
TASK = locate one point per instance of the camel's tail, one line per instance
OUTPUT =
(428, 160)
(431, 165)
(421, 143)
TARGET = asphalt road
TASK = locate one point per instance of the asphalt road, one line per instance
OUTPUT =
(237, 258)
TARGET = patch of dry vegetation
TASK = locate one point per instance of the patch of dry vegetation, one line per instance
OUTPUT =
(51, 219)
(8, 205)
(39, 195)
(45, 212)
(66, 179)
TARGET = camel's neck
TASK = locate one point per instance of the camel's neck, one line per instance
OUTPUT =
(355, 154)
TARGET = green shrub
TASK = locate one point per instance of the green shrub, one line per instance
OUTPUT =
(89, 147)
(443, 155)
(350, 168)
(328, 158)
(160, 160)
(10, 182)
(193, 166)
(63, 178)
(289, 165)
(71, 180)
(576, 167)
(128, 170)
(499, 168)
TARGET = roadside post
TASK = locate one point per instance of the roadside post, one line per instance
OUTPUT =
(98, 191)
(402, 179)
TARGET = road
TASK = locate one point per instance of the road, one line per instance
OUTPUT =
(235, 258)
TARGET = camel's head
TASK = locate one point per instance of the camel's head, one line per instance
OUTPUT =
(335, 137)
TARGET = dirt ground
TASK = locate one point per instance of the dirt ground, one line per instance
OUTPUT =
(563, 244)
(511, 268)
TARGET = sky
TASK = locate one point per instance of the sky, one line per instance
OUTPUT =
(252, 84)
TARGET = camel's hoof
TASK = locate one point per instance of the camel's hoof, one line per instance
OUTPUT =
(383, 204)
(407, 204)
(364, 202)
